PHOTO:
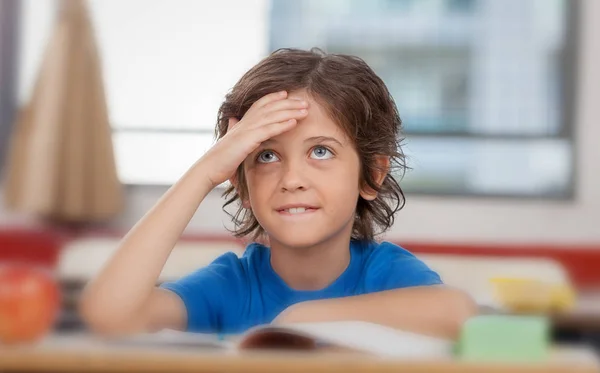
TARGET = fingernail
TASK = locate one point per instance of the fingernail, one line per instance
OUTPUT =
(303, 111)
(282, 93)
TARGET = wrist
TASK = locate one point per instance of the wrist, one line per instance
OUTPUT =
(202, 174)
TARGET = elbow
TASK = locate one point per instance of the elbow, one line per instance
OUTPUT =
(461, 307)
(102, 320)
(105, 326)
(93, 319)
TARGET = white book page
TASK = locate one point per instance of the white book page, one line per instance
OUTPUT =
(372, 338)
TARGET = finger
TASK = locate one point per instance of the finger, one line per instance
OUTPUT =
(274, 129)
(275, 96)
(232, 122)
(289, 103)
(282, 116)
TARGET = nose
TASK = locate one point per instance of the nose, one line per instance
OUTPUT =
(293, 177)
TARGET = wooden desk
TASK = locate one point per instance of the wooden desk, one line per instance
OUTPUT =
(83, 356)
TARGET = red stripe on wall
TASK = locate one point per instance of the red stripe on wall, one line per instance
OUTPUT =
(582, 262)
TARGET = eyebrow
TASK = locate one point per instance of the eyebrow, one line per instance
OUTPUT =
(318, 139)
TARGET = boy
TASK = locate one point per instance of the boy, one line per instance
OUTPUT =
(309, 142)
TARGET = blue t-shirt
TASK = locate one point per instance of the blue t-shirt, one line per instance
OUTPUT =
(235, 293)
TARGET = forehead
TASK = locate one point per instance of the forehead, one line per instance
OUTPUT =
(317, 122)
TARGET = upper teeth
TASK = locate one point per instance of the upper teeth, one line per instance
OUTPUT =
(296, 210)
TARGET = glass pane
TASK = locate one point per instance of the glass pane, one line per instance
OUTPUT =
(488, 167)
(477, 66)
(430, 87)
(158, 158)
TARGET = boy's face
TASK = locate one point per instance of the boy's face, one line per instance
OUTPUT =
(303, 185)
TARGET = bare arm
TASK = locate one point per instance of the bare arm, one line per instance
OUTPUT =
(437, 310)
(123, 297)
(116, 300)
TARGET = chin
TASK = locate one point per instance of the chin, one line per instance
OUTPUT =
(300, 243)
(297, 239)
(305, 238)
(304, 234)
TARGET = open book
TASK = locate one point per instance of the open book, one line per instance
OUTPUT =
(362, 337)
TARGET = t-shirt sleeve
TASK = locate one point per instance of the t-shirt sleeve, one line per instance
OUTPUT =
(392, 267)
(210, 292)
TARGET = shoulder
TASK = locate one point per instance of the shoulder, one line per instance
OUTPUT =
(386, 249)
(214, 294)
(223, 270)
(388, 265)
(230, 263)
(255, 252)
(386, 253)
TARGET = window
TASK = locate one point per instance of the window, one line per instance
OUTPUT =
(480, 84)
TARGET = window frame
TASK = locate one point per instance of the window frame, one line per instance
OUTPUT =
(9, 47)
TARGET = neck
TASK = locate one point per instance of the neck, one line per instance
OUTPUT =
(313, 267)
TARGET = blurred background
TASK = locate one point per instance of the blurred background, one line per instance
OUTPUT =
(105, 103)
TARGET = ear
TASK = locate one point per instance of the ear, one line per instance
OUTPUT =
(233, 180)
(380, 171)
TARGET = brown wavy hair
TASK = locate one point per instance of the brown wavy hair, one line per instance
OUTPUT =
(356, 99)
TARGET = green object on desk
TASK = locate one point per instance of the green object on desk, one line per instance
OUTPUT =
(504, 338)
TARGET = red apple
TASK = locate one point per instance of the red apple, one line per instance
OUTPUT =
(29, 303)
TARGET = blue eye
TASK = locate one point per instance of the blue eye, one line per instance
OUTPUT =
(268, 156)
(321, 152)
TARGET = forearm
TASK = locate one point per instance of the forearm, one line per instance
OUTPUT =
(432, 310)
(123, 286)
